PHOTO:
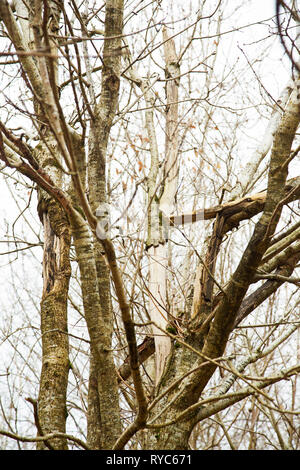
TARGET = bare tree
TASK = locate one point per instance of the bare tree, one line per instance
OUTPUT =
(156, 165)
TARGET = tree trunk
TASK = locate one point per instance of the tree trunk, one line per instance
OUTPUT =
(52, 411)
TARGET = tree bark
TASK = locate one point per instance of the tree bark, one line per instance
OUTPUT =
(52, 410)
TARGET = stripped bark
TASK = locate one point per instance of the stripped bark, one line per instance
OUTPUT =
(161, 191)
(163, 205)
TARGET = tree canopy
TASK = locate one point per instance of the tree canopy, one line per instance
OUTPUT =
(150, 225)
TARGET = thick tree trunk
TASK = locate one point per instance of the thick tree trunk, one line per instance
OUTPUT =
(104, 112)
(52, 411)
(174, 436)
(103, 375)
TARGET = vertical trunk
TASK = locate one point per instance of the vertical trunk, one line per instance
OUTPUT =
(157, 236)
(175, 436)
(104, 112)
(52, 409)
(104, 426)
(93, 406)
(158, 309)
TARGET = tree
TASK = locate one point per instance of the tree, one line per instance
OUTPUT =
(170, 241)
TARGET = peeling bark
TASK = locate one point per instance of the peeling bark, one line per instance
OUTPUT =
(52, 411)
(164, 205)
